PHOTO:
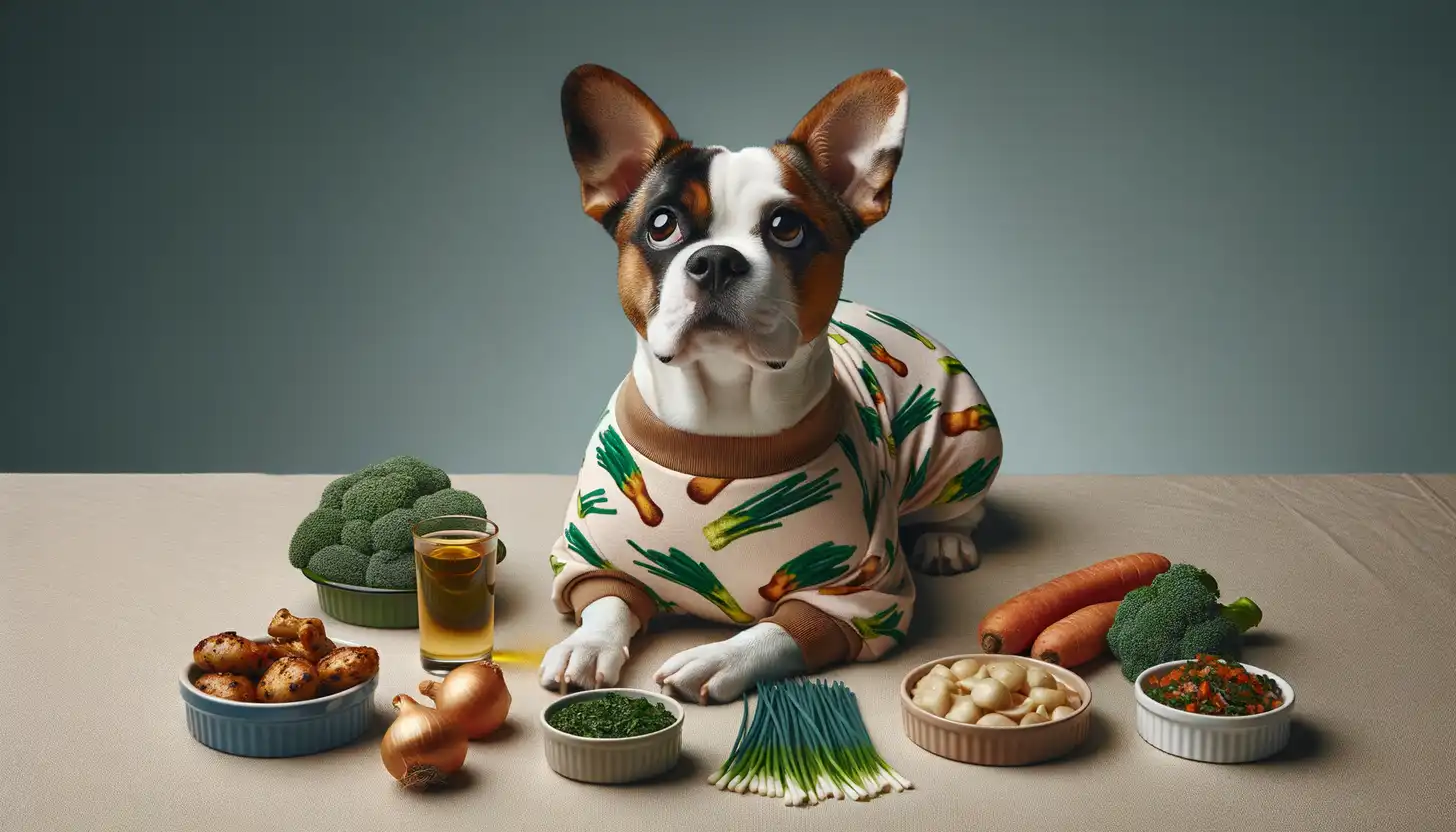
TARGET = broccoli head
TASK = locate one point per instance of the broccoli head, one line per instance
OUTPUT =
(322, 527)
(449, 501)
(428, 479)
(333, 496)
(389, 569)
(375, 496)
(356, 535)
(1178, 616)
(340, 564)
(393, 530)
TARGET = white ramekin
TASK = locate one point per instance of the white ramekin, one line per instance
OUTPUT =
(1212, 739)
(609, 761)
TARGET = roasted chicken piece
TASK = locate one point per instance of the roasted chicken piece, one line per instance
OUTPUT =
(229, 652)
(290, 679)
(231, 686)
(346, 667)
(294, 636)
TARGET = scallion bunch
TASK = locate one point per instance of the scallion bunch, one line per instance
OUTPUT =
(805, 743)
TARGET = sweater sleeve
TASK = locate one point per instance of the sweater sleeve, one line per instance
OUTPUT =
(861, 618)
(580, 581)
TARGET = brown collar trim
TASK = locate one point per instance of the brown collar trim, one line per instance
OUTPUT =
(728, 457)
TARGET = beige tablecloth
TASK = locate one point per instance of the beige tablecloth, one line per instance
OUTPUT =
(109, 580)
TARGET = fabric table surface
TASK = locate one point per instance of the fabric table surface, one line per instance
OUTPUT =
(110, 580)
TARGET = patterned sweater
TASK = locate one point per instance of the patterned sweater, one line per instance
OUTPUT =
(801, 528)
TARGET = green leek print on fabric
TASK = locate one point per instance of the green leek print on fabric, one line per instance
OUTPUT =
(591, 503)
(677, 567)
(838, 339)
(889, 554)
(953, 365)
(557, 564)
(916, 480)
(869, 418)
(873, 346)
(577, 542)
(871, 383)
(969, 482)
(765, 510)
(615, 459)
(886, 622)
(820, 565)
(663, 605)
(892, 321)
(915, 412)
(869, 501)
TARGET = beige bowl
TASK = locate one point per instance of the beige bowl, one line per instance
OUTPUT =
(986, 745)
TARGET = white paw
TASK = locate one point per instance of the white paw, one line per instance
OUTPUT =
(722, 671)
(944, 553)
(592, 657)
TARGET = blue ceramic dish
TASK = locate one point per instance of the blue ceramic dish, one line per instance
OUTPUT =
(292, 729)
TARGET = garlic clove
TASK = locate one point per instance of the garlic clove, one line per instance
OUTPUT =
(965, 668)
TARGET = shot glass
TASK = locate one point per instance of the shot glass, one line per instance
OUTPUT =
(455, 568)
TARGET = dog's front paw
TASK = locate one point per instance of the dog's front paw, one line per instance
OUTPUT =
(584, 660)
(722, 671)
(944, 553)
(593, 656)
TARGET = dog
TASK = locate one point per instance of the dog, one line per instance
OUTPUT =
(757, 464)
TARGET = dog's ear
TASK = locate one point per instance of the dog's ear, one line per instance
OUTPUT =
(855, 136)
(614, 132)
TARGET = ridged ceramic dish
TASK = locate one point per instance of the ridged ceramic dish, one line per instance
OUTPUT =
(292, 729)
(366, 606)
(610, 761)
(1212, 739)
(986, 745)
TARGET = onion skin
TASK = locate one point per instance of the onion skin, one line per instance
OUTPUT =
(473, 696)
(422, 748)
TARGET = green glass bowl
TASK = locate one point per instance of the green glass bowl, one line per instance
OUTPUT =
(367, 606)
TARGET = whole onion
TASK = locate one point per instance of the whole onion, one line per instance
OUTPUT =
(473, 696)
(422, 748)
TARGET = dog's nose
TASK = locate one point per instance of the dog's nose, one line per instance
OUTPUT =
(715, 267)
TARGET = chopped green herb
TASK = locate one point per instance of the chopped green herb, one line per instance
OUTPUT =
(611, 716)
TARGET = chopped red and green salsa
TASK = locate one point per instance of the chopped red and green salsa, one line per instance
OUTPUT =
(1210, 685)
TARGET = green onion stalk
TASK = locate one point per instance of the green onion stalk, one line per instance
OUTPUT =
(764, 510)
(806, 744)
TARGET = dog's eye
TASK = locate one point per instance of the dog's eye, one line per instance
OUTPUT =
(662, 229)
(786, 227)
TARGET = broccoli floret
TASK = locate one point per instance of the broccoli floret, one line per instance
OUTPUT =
(356, 535)
(340, 564)
(391, 570)
(1178, 616)
(333, 496)
(428, 479)
(392, 531)
(320, 528)
(373, 497)
(449, 501)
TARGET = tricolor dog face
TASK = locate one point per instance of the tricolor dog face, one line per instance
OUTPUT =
(736, 253)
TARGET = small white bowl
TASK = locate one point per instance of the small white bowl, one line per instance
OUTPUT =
(618, 760)
(1213, 739)
(277, 729)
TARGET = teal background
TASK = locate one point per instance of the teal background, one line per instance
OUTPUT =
(299, 237)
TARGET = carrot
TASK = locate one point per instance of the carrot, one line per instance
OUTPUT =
(1013, 624)
(1077, 639)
